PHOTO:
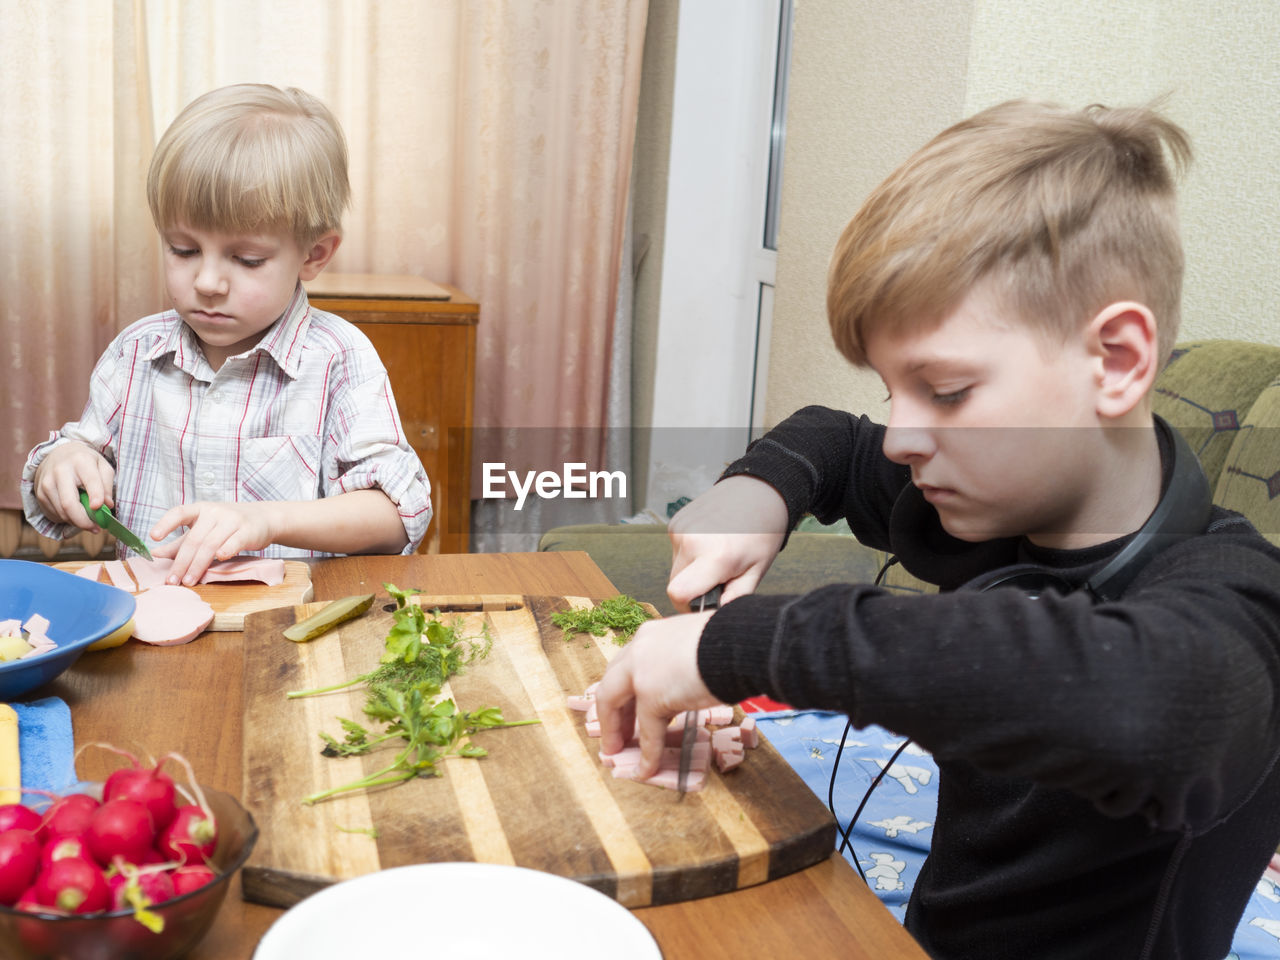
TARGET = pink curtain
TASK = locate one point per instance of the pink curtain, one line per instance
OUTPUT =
(490, 148)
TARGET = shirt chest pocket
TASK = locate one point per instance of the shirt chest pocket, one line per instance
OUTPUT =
(280, 468)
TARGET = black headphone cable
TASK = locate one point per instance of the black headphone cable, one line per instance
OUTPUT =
(835, 767)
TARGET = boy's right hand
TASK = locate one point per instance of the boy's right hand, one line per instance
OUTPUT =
(63, 473)
(728, 536)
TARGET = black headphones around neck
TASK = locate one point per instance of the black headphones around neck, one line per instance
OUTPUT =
(1183, 511)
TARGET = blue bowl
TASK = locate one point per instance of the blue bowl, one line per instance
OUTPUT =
(79, 612)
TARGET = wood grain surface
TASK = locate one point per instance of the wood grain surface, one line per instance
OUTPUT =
(232, 602)
(540, 799)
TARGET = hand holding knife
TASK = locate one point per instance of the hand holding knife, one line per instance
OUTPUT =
(104, 518)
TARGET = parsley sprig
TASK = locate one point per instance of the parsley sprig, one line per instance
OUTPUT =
(403, 696)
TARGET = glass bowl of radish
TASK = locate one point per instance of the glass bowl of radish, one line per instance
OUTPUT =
(99, 881)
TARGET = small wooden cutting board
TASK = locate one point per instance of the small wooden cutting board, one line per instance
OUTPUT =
(540, 799)
(232, 602)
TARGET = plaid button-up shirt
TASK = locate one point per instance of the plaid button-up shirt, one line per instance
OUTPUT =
(305, 413)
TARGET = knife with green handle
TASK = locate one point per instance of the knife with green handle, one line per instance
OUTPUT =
(104, 518)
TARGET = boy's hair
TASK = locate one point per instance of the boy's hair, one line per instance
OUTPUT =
(249, 156)
(1062, 211)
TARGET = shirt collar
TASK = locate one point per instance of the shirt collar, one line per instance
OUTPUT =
(282, 341)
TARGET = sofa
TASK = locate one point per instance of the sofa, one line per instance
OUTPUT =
(1222, 395)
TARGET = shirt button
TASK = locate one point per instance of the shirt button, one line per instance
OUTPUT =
(207, 479)
(215, 397)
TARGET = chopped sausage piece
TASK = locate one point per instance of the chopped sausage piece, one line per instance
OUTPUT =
(723, 747)
(720, 715)
(629, 756)
(668, 777)
(90, 572)
(750, 732)
(726, 760)
(727, 739)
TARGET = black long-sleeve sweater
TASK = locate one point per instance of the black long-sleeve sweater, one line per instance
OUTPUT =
(1109, 786)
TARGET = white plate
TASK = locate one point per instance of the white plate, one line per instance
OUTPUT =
(463, 911)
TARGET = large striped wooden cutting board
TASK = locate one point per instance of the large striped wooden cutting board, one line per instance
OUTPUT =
(540, 799)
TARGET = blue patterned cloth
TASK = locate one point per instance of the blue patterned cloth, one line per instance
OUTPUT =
(893, 832)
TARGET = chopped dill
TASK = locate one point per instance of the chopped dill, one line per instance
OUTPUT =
(621, 614)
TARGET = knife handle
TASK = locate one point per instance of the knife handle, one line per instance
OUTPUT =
(709, 600)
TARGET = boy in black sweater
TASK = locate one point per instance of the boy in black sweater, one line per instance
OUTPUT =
(1107, 742)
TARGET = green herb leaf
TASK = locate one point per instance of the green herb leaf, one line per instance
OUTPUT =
(621, 614)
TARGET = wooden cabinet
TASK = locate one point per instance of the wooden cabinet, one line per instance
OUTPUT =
(425, 334)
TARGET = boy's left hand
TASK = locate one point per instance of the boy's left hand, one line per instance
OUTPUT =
(654, 678)
(216, 531)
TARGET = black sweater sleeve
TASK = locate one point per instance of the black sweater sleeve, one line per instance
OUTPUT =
(1162, 703)
(830, 464)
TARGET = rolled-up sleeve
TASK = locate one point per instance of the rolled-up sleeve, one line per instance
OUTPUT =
(367, 449)
(98, 427)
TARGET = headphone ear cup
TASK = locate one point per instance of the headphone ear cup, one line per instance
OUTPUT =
(1030, 579)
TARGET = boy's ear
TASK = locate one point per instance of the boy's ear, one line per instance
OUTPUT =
(1122, 340)
(319, 255)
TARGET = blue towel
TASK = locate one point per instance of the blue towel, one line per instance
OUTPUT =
(47, 748)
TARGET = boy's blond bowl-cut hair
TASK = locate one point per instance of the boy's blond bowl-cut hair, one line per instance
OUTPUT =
(251, 156)
(1062, 212)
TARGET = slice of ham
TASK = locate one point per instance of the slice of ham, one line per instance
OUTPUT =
(257, 569)
(119, 576)
(90, 572)
(150, 573)
(168, 615)
(154, 572)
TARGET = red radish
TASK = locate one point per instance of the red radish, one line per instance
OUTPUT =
(61, 847)
(68, 816)
(191, 878)
(191, 837)
(29, 902)
(74, 886)
(18, 815)
(120, 828)
(155, 886)
(150, 787)
(19, 863)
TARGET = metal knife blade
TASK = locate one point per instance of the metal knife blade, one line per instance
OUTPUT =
(104, 518)
(689, 738)
(709, 600)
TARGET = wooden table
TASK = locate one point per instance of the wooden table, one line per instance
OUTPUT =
(188, 699)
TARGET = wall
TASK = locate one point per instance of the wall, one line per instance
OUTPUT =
(649, 211)
(872, 81)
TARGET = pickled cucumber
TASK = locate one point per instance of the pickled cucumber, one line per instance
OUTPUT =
(339, 611)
